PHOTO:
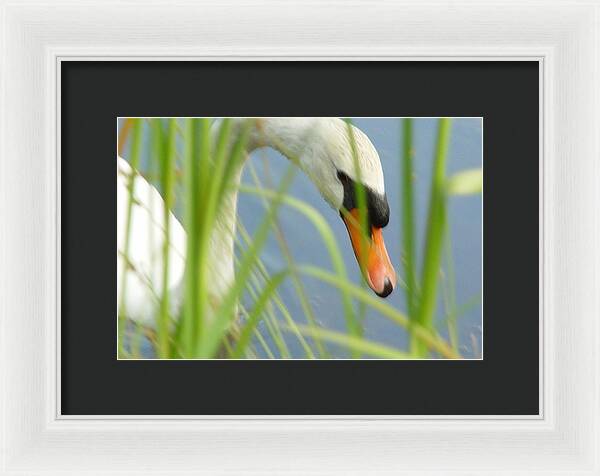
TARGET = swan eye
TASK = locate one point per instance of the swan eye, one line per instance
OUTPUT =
(377, 205)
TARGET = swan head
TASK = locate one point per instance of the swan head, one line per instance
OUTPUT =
(338, 167)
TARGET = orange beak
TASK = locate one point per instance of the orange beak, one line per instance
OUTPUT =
(371, 255)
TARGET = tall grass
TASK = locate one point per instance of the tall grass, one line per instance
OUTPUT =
(252, 319)
(168, 186)
(436, 225)
(408, 226)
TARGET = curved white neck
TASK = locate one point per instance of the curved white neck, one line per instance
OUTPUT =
(287, 136)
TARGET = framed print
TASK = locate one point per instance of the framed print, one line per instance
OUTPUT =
(324, 247)
(349, 327)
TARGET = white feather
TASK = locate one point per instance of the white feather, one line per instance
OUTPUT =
(144, 270)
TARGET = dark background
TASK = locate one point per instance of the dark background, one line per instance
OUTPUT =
(505, 382)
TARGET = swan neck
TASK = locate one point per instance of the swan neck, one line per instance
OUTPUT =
(287, 135)
(282, 134)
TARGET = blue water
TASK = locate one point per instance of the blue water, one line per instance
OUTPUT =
(464, 217)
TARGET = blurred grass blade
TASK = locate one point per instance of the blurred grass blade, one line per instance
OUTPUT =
(436, 225)
(449, 290)
(355, 344)
(467, 182)
(270, 319)
(193, 201)
(363, 219)
(408, 220)
(167, 163)
(256, 314)
(213, 168)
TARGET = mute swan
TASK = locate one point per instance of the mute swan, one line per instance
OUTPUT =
(324, 153)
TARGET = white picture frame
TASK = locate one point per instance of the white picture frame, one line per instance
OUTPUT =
(562, 35)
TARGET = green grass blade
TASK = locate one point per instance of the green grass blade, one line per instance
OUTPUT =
(259, 338)
(466, 182)
(256, 314)
(262, 271)
(193, 198)
(363, 218)
(253, 284)
(408, 220)
(357, 345)
(434, 240)
(449, 290)
(205, 211)
(212, 175)
(168, 186)
(263, 344)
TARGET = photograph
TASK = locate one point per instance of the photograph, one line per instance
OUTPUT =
(299, 238)
(350, 240)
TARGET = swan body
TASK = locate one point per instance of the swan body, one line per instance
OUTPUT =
(323, 151)
(144, 270)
